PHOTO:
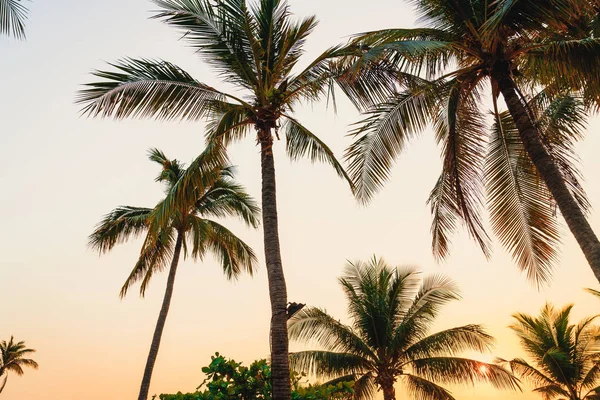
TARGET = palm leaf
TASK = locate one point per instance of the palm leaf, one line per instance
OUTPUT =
(520, 213)
(383, 134)
(147, 88)
(221, 32)
(118, 226)
(454, 370)
(452, 341)
(13, 14)
(328, 364)
(312, 324)
(300, 142)
(233, 254)
(156, 254)
(423, 389)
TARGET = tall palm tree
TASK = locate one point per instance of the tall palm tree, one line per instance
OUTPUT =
(542, 56)
(189, 229)
(12, 18)
(392, 311)
(12, 359)
(254, 47)
(566, 357)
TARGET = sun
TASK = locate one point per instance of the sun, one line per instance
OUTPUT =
(484, 369)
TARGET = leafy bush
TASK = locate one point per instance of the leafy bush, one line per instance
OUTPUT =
(230, 380)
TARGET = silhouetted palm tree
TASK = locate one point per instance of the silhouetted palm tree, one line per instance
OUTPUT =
(189, 229)
(392, 312)
(12, 359)
(542, 56)
(566, 358)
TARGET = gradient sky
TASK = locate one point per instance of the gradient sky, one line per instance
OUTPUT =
(62, 172)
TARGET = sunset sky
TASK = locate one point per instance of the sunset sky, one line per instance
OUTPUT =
(63, 172)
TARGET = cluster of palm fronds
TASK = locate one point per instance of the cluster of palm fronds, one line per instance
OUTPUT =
(389, 341)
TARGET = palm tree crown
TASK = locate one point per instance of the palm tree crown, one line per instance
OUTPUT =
(392, 311)
(13, 359)
(542, 56)
(201, 235)
(566, 358)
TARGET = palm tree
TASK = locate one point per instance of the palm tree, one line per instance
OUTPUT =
(392, 311)
(542, 57)
(254, 47)
(566, 361)
(12, 359)
(12, 18)
(189, 228)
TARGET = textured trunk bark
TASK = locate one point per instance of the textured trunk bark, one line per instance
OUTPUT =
(389, 393)
(280, 370)
(162, 317)
(578, 224)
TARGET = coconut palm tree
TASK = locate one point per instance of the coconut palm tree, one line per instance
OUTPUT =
(392, 311)
(12, 18)
(254, 47)
(12, 359)
(566, 358)
(189, 229)
(541, 56)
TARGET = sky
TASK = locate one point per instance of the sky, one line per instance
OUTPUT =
(62, 172)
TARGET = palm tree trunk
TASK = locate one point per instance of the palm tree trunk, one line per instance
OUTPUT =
(162, 317)
(5, 379)
(576, 220)
(280, 370)
(389, 393)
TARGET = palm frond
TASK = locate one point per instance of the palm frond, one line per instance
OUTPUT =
(222, 32)
(452, 342)
(457, 194)
(156, 254)
(13, 14)
(229, 123)
(527, 372)
(227, 198)
(383, 134)
(300, 142)
(234, 255)
(147, 89)
(434, 293)
(423, 389)
(454, 370)
(520, 212)
(312, 324)
(328, 364)
(593, 291)
(118, 226)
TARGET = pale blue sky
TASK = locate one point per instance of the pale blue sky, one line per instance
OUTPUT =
(62, 173)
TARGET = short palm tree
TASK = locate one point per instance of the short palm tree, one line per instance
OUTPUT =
(542, 56)
(392, 311)
(566, 358)
(12, 359)
(254, 47)
(13, 14)
(190, 228)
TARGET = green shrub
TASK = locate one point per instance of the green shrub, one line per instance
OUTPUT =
(230, 380)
